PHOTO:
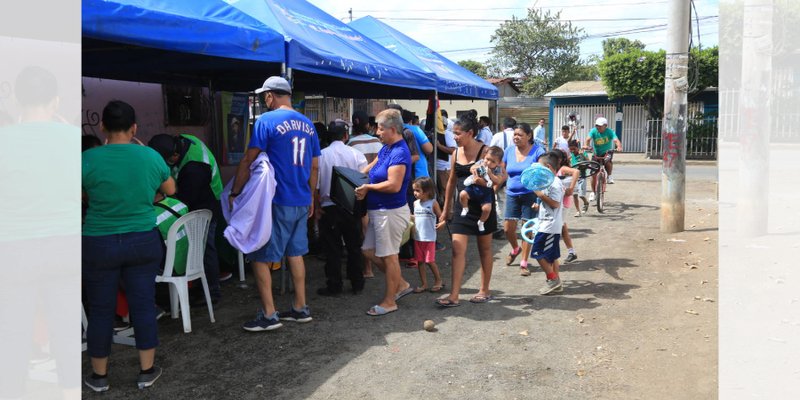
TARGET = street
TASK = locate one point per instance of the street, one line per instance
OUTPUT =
(647, 172)
(637, 319)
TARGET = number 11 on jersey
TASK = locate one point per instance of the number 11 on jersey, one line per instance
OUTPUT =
(299, 149)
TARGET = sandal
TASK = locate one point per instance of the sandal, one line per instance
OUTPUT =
(479, 298)
(524, 271)
(513, 255)
(446, 303)
(420, 289)
(436, 288)
(377, 311)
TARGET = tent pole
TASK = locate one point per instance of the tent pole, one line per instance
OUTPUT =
(497, 116)
(435, 137)
(325, 108)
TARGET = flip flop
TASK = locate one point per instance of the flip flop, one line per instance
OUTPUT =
(420, 289)
(435, 289)
(447, 303)
(403, 293)
(377, 311)
(479, 298)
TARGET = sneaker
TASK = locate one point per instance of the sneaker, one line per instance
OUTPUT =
(610, 180)
(578, 214)
(591, 198)
(551, 286)
(96, 384)
(225, 276)
(121, 325)
(262, 323)
(301, 316)
(481, 228)
(147, 380)
(585, 207)
(524, 271)
(571, 257)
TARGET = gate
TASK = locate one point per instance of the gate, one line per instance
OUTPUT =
(634, 128)
(585, 113)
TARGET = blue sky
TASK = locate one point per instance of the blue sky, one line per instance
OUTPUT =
(466, 35)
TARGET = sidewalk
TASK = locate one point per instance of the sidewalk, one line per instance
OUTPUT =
(640, 158)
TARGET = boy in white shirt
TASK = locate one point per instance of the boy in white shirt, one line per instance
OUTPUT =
(546, 248)
(562, 143)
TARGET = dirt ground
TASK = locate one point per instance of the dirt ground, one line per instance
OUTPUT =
(637, 320)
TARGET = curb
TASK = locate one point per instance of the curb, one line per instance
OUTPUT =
(712, 163)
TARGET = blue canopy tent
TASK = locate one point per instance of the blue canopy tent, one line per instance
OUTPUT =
(194, 43)
(327, 56)
(453, 81)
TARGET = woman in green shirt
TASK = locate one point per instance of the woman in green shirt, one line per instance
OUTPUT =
(120, 241)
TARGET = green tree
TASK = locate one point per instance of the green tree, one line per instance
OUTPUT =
(620, 45)
(641, 73)
(540, 49)
(475, 67)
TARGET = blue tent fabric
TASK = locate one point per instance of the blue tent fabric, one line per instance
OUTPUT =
(452, 78)
(320, 44)
(209, 27)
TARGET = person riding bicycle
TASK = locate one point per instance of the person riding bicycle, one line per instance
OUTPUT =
(604, 139)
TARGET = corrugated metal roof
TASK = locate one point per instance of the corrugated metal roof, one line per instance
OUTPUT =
(579, 88)
(518, 102)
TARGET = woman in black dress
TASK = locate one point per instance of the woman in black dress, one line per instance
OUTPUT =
(469, 151)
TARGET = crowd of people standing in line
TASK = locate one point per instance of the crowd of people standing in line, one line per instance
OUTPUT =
(480, 190)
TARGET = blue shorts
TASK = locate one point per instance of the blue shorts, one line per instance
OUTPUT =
(480, 194)
(289, 235)
(546, 246)
(519, 206)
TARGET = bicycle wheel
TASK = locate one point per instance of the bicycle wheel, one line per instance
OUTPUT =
(601, 190)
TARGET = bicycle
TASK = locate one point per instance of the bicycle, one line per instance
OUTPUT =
(597, 167)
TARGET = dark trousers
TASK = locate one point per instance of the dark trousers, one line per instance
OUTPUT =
(211, 261)
(135, 259)
(335, 225)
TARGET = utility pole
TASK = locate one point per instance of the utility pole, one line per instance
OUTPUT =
(351, 14)
(673, 133)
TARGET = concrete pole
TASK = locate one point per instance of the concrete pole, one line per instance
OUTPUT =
(755, 123)
(676, 85)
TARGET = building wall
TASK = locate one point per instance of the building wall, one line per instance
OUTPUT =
(452, 106)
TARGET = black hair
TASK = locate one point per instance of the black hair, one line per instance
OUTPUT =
(495, 151)
(485, 120)
(336, 131)
(565, 127)
(407, 116)
(466, 123)
(563, 160)
(35, 86)
(426, 185)
(90, 142)
(474, 113)
(372, 120)
(444, 113)
(164, 144)
(525, 127)
(509, 122)
(118, 116)
(549, 159)
(574, 143)
(415, 119)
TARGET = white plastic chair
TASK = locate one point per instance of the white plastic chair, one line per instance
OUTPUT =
(241, 266)
(196, 225)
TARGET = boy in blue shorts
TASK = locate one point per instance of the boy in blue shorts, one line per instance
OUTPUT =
(546, 248)
(489, 170)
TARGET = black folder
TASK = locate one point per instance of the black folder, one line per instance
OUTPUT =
(344, 181)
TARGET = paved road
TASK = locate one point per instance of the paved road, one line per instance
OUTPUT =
(653, 172)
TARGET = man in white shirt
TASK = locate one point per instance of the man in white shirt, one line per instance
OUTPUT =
(539, 134)
(336, 224)
(503, 139)
(445, 146)
(485, 134)
(361, 140)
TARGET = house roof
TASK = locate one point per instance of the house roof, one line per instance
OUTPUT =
(579, 88)
(500, 81)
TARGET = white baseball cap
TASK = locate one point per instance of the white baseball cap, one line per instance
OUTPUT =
(275, 84)
(601, 121)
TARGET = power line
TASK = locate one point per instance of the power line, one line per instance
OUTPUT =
(504, 20)
(516, 8)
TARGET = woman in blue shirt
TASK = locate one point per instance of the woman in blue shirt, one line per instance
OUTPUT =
(518, 198)
(389, 178)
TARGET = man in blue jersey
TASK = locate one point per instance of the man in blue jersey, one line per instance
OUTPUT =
(292, 144)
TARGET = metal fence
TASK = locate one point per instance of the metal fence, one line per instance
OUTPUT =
(701, 139)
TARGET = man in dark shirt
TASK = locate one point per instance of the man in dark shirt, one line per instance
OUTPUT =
(199, 185)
